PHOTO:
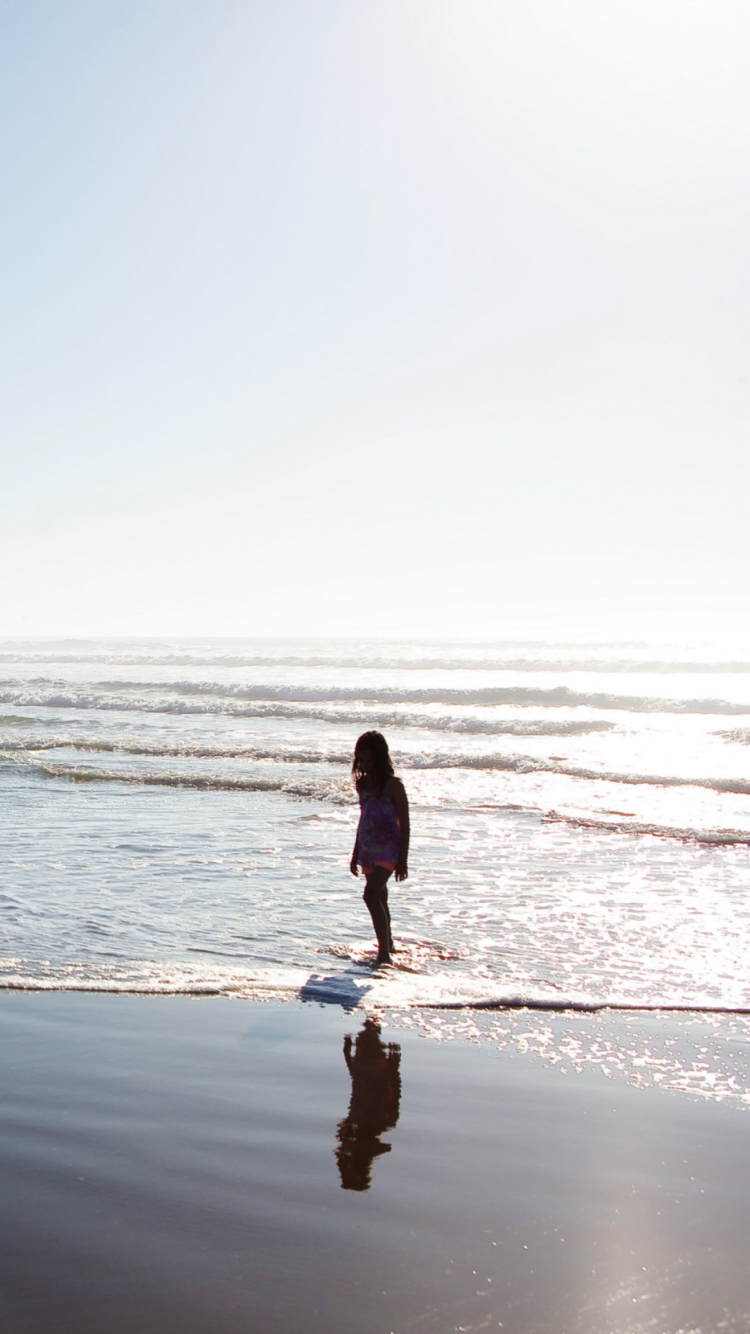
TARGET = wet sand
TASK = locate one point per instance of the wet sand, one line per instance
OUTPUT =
(194, 1166)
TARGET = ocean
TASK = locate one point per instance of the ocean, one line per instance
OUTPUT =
(179, 817)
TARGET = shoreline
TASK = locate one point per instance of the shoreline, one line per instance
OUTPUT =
(172, 1165)
(308, 994)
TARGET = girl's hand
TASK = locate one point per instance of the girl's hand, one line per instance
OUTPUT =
(353, 864)
(402, 871)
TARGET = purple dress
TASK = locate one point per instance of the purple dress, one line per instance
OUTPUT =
(379, 832)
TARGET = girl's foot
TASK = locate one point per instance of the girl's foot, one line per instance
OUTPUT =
(382, 958)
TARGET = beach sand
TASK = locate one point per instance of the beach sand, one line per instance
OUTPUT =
(207, 1166)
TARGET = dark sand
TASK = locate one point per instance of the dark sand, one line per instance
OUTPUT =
(174, 1166)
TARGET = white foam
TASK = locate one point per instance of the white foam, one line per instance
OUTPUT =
(194, 697)
(358, 987)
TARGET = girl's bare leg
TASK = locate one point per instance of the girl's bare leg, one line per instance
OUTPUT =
(376, 898)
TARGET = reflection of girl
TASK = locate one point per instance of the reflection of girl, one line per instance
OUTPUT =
(382, 844)
(374, 1106)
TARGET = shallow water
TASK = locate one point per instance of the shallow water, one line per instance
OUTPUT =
(179, 816)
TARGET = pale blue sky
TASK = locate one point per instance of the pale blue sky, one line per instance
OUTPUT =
(391, 317)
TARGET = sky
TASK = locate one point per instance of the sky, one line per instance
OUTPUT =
(395, 318)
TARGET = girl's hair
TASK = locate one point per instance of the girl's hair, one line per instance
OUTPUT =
(382, 768)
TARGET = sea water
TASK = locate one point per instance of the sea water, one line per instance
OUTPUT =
(179, 817)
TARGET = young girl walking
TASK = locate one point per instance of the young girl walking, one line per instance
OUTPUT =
(382, 843)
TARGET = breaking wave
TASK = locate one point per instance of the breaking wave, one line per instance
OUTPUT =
(530, 764)
(338, 791)
(738, 734)
(509, 763)
(171, 750)
(713, 837)
(326, 790)
(211, 697)
(349, 988)
(496, 662)
(374, 717)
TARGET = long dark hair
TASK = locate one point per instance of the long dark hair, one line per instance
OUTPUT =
(382, 769)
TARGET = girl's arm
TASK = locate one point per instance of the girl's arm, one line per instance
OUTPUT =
(399, 798)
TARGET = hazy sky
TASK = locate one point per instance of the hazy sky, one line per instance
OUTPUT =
(390, 316)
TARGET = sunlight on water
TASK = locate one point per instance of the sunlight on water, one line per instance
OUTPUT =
(180, 817)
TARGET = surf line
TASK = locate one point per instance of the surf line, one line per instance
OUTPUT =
(581, 1007)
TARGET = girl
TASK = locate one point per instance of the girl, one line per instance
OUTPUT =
(382, 843)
